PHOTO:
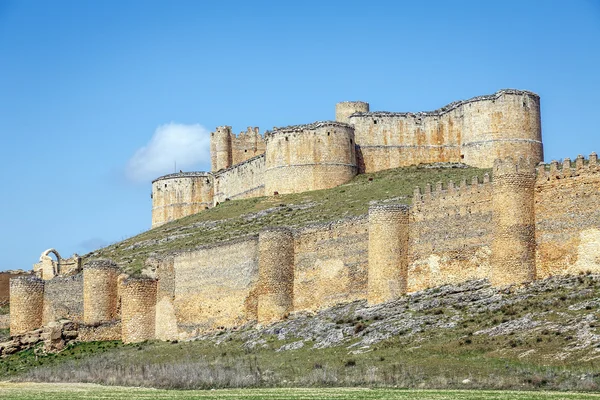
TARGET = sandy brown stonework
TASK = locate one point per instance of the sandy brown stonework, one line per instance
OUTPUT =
(326, 154)
(388, 252)
(26, 304)
(276, 274)
(138, 310)
(100, 295)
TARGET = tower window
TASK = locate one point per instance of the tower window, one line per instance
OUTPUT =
(375, 122)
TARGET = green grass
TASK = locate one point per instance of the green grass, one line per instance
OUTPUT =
(30, 391)
(435, 358)
(232, 219)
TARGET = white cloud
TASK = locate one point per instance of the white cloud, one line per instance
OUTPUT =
(187, 145)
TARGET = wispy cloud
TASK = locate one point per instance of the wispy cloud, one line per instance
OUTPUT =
(186, 145)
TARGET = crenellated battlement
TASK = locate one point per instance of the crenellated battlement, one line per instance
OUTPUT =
(430, 193)
(568, 168)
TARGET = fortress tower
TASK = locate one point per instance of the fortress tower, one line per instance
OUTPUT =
(345, 109)
(309, 157)
(220, 148)
(100, 295)
(388, 252)
(175, 196)
(513, 217)
(276, 274)
(138, 314)
(26, 304)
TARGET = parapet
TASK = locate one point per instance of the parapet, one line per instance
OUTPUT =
(567, 168)
(304, 127)
(450, 189)
(508, 166)
(447, 108)
(194, 174)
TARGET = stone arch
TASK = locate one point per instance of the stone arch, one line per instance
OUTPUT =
(45, 258)
(47, 252)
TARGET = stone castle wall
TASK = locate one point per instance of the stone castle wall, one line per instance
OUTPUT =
(475, 131)
(450, 234)
(326, 154)
(227, 149)
(178, 195)
(330, 264)
(215, 286)
(63, 299)
(241, 181)
(567, 211)
(517, 226)
(309, 157)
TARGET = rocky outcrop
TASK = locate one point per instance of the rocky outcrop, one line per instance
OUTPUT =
(55, 337)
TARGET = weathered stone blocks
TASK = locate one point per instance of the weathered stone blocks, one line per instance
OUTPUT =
(388, 252)
(100, 295)
(138, 313)
(276, 274)
(26, 304)
(513, 222)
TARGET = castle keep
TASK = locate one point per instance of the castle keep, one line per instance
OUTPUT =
(326, 154)
(525, 221)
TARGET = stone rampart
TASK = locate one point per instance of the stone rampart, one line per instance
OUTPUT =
(241, 181)
(100, 294)
(450, 233)
(330, 263)
(567, 217)
(228, 149)
(26, 304)
(309, 157)
(178, 195)
(138, 312)
(63, 299)
(474, 131)
(215, 286)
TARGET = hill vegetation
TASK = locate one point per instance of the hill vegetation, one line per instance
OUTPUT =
(543, 336)
(232, 219)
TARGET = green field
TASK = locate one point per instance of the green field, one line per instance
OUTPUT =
(34, 391)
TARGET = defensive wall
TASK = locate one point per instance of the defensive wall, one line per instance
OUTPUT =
(5, 278)
(520, 224)
(325, 154)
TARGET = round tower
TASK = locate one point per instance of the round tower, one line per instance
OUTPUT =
(276, 274)
(100, 295)
(513, 218)
(221, 145)
(178, 195)
(26, 304)
(505, 124)
(309, 157)
(345, 109)
(138, 310)
(388, 252)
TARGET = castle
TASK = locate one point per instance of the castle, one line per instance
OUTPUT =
(526, 221)
(326, 154)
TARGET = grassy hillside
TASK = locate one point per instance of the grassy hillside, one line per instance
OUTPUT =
(241, 217)
(467, 336)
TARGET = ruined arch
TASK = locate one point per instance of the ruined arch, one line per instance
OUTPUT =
(47, 252)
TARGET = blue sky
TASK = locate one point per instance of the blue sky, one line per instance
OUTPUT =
(90, 89)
